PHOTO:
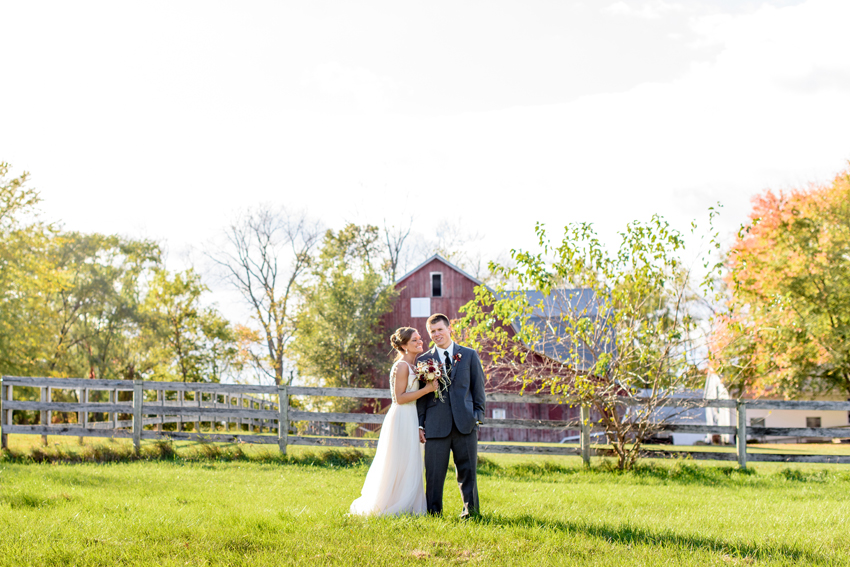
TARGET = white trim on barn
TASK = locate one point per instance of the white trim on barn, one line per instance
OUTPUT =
(441, 259)
(420, 307)
(431, 282)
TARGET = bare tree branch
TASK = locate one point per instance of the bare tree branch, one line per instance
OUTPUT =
(267, 253)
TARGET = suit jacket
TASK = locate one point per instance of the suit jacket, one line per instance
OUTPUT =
(464, 404)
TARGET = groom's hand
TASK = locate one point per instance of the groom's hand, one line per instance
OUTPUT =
(422, 436)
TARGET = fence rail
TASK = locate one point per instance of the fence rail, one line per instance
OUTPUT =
(241, 406)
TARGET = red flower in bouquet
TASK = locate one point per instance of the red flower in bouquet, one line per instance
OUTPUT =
(430, 370)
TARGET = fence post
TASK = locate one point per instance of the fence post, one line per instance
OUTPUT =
(80, 418)
(227, 417)
(283, 417)
(180, 396)
(113, 399)
(741, 436)
(160, 398)
(4, 420)
(585, 434)
(137, 415)
(198, 417)
(49, 399)
(42, 418)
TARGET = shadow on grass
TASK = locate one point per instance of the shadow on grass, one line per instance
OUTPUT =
(26, 500)
(165, 451)
(675, 472)
(628, 535)
(679, 472)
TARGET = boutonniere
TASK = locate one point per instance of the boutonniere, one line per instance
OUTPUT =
(457, 357)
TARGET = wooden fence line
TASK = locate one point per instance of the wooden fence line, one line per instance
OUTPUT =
(275, 415)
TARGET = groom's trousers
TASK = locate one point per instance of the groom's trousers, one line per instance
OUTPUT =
(464, 449)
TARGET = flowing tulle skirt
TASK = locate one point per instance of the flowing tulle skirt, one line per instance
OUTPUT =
(394, 481)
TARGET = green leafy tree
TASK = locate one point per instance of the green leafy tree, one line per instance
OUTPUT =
(99, 285)
(193, 343)
(616, 332)
(24, 277)
(78, 304)
(341, 341)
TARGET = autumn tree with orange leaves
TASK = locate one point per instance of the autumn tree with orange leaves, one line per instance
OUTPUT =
(787, 330)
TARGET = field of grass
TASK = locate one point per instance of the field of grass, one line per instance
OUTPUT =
(190, 504)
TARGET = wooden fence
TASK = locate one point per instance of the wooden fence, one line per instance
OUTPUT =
(267, 408)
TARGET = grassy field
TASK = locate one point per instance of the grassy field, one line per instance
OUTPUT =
(192, 504)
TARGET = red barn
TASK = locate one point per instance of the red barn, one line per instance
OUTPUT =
(438, 286)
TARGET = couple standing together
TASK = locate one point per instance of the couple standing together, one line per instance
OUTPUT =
(394, 482)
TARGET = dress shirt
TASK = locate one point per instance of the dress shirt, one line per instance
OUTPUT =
(441, 353)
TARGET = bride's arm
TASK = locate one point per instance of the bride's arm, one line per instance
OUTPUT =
(401, 374)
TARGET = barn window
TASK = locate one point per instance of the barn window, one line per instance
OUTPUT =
(436, 284)
(757, 422)
(498, 413)
(420, 307)
(812, 422)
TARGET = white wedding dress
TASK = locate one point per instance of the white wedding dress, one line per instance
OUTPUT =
(394, 481)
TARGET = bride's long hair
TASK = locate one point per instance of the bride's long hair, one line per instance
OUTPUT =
(400, 338)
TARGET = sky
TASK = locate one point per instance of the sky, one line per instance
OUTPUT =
(165, 119)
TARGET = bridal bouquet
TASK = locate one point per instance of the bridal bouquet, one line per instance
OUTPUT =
(430, 370)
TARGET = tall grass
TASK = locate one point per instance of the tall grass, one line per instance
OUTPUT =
(531, 469)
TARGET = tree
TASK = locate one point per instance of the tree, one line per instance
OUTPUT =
(341, 341)
(453, 242)
(196, 344)
(395, 236)
(787, 326)
(24, 281)
(101, 306)
(17, 201)
(98, 286)
(616, 332)
(268, 253)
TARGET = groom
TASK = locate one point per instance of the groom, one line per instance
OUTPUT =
(452, 424)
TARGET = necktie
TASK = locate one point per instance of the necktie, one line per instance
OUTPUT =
(448, 362)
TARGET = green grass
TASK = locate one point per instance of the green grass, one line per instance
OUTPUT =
(194, 504)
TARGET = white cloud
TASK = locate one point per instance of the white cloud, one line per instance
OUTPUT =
(355, 87)
(768, 110)
(648, 10)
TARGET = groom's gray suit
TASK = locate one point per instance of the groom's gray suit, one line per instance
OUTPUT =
(452, 425)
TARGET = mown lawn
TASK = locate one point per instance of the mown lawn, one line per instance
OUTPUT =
(209, 505)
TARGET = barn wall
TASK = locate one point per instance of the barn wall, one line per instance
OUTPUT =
(529, 411)
(458, 290)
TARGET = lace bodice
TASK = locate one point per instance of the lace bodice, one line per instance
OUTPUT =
(412, 383)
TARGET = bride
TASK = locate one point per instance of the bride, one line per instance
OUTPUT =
(394, 481)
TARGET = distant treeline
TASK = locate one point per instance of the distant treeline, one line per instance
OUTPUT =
(75, 304)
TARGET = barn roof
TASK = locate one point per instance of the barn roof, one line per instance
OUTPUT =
(441, 259)
(550, 317)
(561, 301)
